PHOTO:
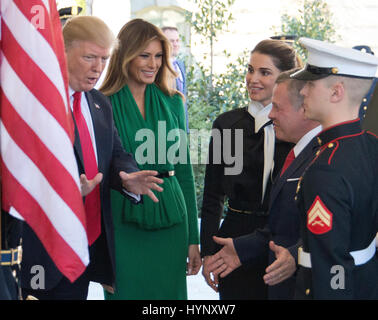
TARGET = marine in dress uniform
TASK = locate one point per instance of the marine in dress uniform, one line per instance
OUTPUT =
(337, 195)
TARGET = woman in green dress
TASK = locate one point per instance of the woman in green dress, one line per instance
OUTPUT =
(156, 243)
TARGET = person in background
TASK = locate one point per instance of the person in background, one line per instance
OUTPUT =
(173, 36)
(247, 192)
(67, 9)
(153, 241)
(102, 163)
(282, 230)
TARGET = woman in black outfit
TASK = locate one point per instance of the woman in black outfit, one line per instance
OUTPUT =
(247, 189)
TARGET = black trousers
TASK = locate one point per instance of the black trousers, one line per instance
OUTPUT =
(246, 282)
(64, 290)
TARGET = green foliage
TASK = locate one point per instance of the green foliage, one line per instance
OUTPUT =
(211, 94)
(228, 93)
(314, 21)
(204, 104)
(212, 17)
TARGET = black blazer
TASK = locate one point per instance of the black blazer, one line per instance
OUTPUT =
(283, 222)
(112, 158)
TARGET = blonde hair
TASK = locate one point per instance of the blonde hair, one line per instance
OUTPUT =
(88, 28)
(133, 38)
(356, 88)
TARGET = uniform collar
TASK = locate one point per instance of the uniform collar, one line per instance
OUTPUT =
(340, 130)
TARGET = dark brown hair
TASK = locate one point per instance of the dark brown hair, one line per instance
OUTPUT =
(294, 86)
(283, 55)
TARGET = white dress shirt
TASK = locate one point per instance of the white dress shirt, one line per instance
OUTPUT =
(260, 114)
(303, 142)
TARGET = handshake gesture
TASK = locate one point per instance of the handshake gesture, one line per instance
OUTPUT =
(227, 260)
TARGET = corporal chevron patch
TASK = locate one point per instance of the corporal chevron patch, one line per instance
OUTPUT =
(319, 218)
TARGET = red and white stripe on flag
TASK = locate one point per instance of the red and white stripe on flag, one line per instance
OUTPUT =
(40, 179)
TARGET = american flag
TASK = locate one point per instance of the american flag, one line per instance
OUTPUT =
(40, 179)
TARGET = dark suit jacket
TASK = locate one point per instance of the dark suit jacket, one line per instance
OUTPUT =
(283, 223)
(112, 158)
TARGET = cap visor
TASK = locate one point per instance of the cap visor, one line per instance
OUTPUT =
(306, 75)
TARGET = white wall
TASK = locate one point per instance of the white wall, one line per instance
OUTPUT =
(115, 13)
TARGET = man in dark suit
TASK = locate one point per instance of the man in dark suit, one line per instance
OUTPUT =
(102, 163)
(174, 38)
(282, 230)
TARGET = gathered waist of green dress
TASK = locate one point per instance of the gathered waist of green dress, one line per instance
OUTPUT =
(169, 211)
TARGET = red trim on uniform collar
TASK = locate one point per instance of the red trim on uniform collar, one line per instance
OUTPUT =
(336, 141)
(348, 136)
(333, 152)
(338, 124)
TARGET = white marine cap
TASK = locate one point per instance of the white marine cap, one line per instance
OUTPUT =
(325, 59)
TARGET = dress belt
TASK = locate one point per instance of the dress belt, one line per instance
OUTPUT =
(360, 256)
(166, 174)
(256, 213)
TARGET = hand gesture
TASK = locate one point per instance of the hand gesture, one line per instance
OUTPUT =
(88, 185)
(282, 268)
(225, 260)
(213, 283)
(142, 182)
(222, 263)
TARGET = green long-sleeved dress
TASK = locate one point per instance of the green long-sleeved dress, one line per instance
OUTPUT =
(152, 239)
